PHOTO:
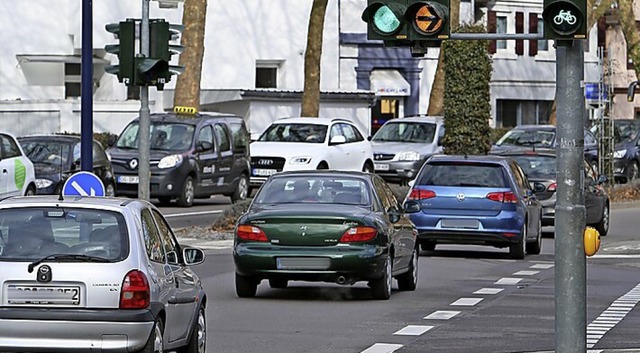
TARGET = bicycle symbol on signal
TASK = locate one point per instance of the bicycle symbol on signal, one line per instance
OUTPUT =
(564, 16)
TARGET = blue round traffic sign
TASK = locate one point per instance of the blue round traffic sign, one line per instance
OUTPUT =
(83, 184)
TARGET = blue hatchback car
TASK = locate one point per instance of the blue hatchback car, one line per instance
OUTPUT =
(481, 200)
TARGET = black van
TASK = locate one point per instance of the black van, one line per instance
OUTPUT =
(190, 157)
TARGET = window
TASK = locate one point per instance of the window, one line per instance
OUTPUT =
(543, 44)
(170, 245)
(266, 77)
(222, 137)
(98, 153)
(511, 112)
(9, 147)
(152, 241)
(72, 79)
(205, 136)
(501, 27)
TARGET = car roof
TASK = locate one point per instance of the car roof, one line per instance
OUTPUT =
(51, 137)
(493, 159)
(67, 201)
(526, 151)
(534, 127)
(190, 119)
(311, 120)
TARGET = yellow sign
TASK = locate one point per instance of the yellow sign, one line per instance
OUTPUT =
(427, 20)
(591, 241)
(185, 110)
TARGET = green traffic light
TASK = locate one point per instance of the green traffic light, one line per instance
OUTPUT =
(385, 20)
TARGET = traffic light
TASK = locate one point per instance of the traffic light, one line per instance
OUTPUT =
(125, 31)
(385, 19)
(565, 19)
(155, 70)
(428, 20)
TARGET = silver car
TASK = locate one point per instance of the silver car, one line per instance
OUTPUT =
(92, 274)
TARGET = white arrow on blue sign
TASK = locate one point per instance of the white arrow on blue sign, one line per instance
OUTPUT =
(83, 184)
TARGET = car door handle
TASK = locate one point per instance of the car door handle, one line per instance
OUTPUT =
(182, 300)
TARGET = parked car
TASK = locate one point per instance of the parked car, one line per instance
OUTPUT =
(482, 200)
(401, 146)
(326, 226)
(193, 157)
(309, 144)
(626, 157)
(87, 273)
(57, 157)
(540, 168)
(543, 136)
(18, 176)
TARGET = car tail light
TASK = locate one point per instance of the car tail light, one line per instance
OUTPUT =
(358, 234)
(510, 234)
(552, 187)
(504, 197)
(135, 291)
(251, 233)
(421, 194)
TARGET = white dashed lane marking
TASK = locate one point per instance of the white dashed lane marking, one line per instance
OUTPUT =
(441, 315)
(467, 301)
(542, 266)
(526, 273)
(508, 280)
(413, 330)
(489, 291)
(382, 348)
(612, 316)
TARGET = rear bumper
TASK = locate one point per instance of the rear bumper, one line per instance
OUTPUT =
(468, 237)
(77, 330)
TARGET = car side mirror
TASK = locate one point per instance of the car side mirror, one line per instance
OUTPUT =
(338, 140)
(394, 215)
(111, 141)
(202, 146)
(412, 206)
(192, 256)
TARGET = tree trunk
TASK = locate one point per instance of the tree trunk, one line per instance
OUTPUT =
(436, 97)
(630, 32)
(312, 57)
(187, 92)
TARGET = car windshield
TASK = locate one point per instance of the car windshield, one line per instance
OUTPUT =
(527, 138)
(163, 136)
(406, 132)
(537, 166)
(48, 152)
(315, 189)
(626, 130)
(464, 174)
(308, 133)
(30, 234)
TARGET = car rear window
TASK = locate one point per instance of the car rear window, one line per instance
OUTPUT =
(315, 189)
(536, 166)
(464, 174)
(28, 234)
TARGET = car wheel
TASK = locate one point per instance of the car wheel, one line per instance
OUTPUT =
(632, 173)
(409, 280)
(278, 283)
(427, 246)
(381, 288)
(242, 190)
(155, 343)
(367, 168)
(517, 250)
(323, 165)
(534, 247)
(246, 286)
(31, 190)
(188, 191)
(109, 190)
(603, 226)
(198, 341)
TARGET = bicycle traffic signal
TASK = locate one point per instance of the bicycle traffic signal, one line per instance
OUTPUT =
(565, 19)
(125, 31)
(407, 22)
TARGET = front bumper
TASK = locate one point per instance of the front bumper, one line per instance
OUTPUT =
(397, 171)
(162, 182)
(77, 330)
(620, 167)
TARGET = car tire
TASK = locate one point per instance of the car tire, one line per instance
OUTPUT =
(278, 283)
(187, 194)
(109, 190)
(534, 247)
(409, 281)
(603, 226)
(428, 246)
(155, 343)
(367, 168)
(31, 191)
(632, 172)
(517, 250)
(198, 340)
(322, 165)
(242, 189)
(246, 286)
(381, 288)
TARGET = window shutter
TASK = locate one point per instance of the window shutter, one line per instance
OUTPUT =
(519, 29)
(602, 32)
(491, 28)
(533, 28)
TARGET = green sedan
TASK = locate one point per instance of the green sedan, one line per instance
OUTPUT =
(326, 226)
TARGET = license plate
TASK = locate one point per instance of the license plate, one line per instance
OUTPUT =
(379, 166)
(460, 223)
(303, 263)
(264, 172)
(128, 179)
(43, 295)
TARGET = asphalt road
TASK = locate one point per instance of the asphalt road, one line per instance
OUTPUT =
(469, 299)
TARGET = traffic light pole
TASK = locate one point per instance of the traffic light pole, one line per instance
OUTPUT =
(145, 119)
(570, 216)
(86, 105)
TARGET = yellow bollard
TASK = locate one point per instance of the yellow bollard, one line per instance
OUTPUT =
(591, 241)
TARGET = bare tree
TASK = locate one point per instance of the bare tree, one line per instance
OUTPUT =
(187, 92)
(312, 57)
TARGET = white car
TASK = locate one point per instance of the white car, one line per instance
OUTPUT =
(308, 144)
(17, 176)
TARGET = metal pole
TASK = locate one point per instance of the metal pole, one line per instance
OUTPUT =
(145, 123)
(570, 260)
(86, 105)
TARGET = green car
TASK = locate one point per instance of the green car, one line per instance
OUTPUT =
(326, 226)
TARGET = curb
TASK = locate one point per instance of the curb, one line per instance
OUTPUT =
(625, 204)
